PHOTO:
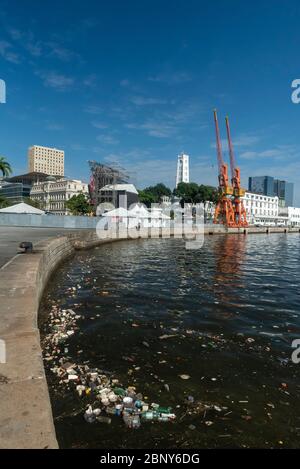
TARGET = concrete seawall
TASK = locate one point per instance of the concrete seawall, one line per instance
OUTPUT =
(25, 410)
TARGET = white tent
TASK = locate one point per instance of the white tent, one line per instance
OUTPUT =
(22, 208)
(140, 211)
(117, 212)
(137, 216)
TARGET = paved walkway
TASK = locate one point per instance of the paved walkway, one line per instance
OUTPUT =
(11, 237)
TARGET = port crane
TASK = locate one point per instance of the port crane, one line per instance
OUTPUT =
(238, 192)
(230, 209)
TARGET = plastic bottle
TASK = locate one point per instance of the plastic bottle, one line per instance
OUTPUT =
(128, 401)
(163, 410)
(136, 422)
(118, 409)
(127, 419)
(89, 416)
(150, 415)
(119, 391)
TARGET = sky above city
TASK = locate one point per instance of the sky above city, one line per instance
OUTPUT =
(135, 82)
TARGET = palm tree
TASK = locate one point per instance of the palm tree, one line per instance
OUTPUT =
(5, 167)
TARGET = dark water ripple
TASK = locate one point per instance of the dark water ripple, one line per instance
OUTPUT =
(214, 300)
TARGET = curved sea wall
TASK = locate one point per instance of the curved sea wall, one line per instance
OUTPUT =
(25, 410)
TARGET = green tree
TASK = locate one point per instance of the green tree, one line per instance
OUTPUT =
(78, 205)
(153, 194)
(146, 197)
(5, 167)
(192, 193)
(187, 192)
(33, 203)
(4, 202)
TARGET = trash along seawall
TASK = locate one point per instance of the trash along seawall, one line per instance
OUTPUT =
(25, 411)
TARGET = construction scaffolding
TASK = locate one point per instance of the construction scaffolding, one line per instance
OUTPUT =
(103, 175)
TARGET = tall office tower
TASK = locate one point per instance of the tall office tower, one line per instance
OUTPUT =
(183, 172)
(46, 160)
(285, 191)
(261, 185)
(267, 185)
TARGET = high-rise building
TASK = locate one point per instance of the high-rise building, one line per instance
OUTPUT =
(267, 185)
(46, 160)
(285, 192)
(183, 171)
(261, 185)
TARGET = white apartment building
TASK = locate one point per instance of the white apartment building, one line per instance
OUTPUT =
(183, 171)
(46, 160)
(261, 209)
(53, 194)
(291, 214)
(294, 216)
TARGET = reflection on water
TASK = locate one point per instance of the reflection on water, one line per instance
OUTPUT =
(232, 309)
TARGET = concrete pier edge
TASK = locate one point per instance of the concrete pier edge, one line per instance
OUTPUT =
(26, 419)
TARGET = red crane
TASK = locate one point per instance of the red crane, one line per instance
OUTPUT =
(240, 217)
(224, 212)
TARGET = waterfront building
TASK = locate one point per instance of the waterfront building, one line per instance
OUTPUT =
(285, 192)
(47, 160)
(14, 192)
(53, 193)
(267, 185)
(117, 194)
(261, 209)
(183, 171)
(261, 185)
(292, 214)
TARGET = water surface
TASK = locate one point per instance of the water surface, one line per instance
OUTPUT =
(233, 309)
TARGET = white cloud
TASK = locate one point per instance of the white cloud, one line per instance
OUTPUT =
(53, 126)
(107, 139)
(279, 152)
(174, 78)
(242, 140)
(99, 125)
(125, 82)
(144, 101)
(90, 81)
(154, 128)
(93, 109)
(77, 147)
(61, 53)
(56, 80)
(6, 51)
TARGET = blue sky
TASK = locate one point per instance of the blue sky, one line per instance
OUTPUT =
(136, 81)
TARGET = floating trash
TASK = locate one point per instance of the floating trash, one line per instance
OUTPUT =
(109, 398)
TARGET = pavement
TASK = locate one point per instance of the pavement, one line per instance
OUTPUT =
(11, 237)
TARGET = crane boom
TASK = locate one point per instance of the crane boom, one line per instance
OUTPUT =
(230, 146)
(218, 142)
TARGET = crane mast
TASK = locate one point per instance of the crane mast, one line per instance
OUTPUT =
(230, 209)
(224, 212)
(238, 205)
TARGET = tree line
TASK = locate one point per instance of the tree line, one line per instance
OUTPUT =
(185, 192)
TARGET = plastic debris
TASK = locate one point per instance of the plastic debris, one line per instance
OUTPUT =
(108, 397)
